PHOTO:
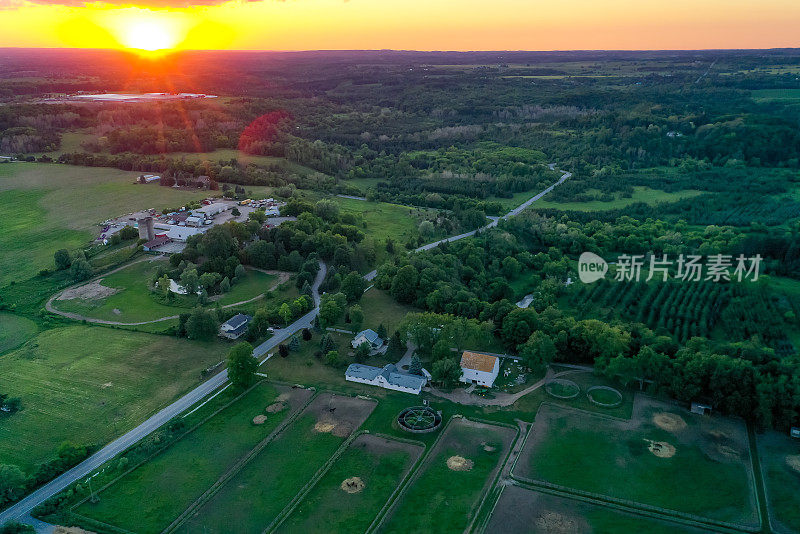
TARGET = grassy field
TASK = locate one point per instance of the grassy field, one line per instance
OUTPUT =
(597, 455)
(14, 331)
(182, 472)
(384, 220)
(380, 308)
(381, 464)
(780, 464)
(442, 499)
(254, 497)
(776, 95)
(640, 194)
(48, 207)
(89, 384)
(135, 302)
(523, 511)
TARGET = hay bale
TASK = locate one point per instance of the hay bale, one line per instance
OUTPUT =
(324, 427)
(669, 421)
(352, 485)
(459, 463)
(275, 407)
(259, 419)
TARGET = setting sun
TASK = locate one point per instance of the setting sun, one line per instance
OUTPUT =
(149, 35)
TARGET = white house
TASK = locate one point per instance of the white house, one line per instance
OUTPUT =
(388, 377)
(235, 327)
(478, 368)
(367, 336)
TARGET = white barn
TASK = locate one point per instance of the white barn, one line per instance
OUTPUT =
(478, 368)
(388, 377)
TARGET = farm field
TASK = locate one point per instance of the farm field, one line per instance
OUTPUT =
(773, 95)
(780, 465)
(132, 300)
(662, 457)
(14, 331)
(446, 492)
(72, 390)
(384, 220)
(379, 464)
(255, 495)
(47, 209)
(524, 511)
(182, 472)
(380, 308)
(640, 194)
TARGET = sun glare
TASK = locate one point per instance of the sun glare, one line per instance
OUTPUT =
(150, 35)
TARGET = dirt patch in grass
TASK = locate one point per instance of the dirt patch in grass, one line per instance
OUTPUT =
(728, 453)
(459, 463)
(94, 290)
(71, 530)
(556, 523)
(339, 415)
(259, 419)
(669, 421)
(275, 407)
(352, 485)
(793, 461)
(662, 449)
(324, 427)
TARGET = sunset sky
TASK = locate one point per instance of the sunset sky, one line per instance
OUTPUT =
(402, 24)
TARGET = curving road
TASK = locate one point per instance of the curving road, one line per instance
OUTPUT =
(20, 510)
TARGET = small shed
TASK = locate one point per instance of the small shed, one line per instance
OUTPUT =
(795, 432)
(701, 409)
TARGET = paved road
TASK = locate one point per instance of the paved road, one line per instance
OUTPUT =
(513, 213)
(21, 510)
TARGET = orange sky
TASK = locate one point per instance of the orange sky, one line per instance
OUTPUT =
(404, 24)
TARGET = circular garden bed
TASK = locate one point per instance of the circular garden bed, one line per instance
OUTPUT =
(604, 396)
(561, 388)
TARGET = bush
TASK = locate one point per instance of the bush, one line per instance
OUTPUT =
(283, 350)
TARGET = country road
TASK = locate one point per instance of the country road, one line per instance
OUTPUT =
(22, 509)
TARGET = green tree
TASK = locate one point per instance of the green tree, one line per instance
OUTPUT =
(201, 325)
(259, 326)
(285, 311)
(242, 365)
(404, 284)
(327, 210)
(327, 344)
(239, 273)
(441, 350)
(396, 344)
(225, 285)
(538, 352)
(63, 259)
(356, 315)
(331, 308)
(362, 352)
(353, 286)
(209, 280)
(80, 270)
(294, 344)
(446, 372)
(163, 285)
(332, 358)
(415, 368)
(381, 331)
(426, 229)
(189, 281)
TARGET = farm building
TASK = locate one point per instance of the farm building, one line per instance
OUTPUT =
(795, 432)
(367, 336)
(211, 210)
(182, 233)
(158, 241)
(478, 368)
(700, 408)
(235, 327)
(194, 221)
(388, 377)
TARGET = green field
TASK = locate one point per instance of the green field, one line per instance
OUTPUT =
(640, 194)
(181, 473)
(381, 464)
(585, 452)
(780, 465)
(776, 95)
(380, 308)
(88, 385)
(384, 220)
(14, 331)
(135, 302)
(255, 496)
(441, 499)
(46, 209)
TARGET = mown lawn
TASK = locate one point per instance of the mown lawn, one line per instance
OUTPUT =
(380, 468)
(49, 206)
(88, 385)
(186, 469)
(14, 331)
(252, 499)
(640, 194)
(134, 302)
(379, 308)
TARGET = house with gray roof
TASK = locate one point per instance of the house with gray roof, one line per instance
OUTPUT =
(367, 336)
(387, 377)
(235, 327)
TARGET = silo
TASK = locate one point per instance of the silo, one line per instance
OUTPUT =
(147, 229)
